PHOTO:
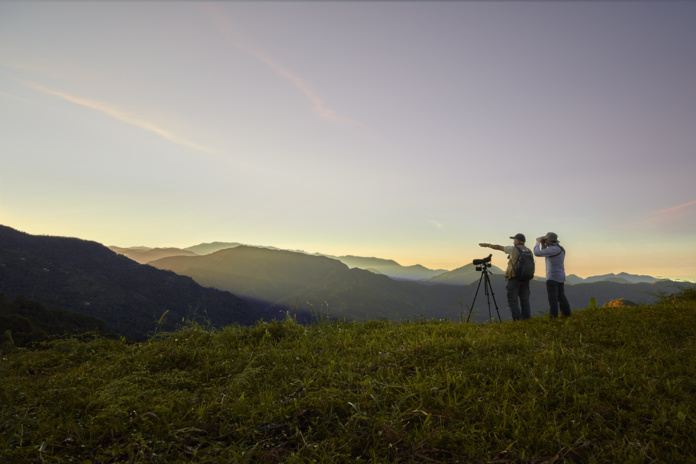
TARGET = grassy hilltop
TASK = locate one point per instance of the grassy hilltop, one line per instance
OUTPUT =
(606, 385)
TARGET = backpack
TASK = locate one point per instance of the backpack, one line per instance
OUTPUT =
(524, 267)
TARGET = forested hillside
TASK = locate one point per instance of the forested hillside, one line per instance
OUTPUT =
(132, 299)
(29, 321)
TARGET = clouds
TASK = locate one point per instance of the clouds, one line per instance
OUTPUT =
(121, 115)
(685, 212)
(398, 129)
(686, 209)
(437, 224)
(319, 106)
(678, 221)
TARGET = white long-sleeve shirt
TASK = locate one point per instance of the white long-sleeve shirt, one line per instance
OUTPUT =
(555, 261)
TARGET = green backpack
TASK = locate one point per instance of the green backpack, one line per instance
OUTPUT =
(524, 267)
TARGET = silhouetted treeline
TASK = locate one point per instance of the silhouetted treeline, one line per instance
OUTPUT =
(30, 321)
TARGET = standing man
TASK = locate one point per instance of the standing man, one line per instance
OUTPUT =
(516, 288)
(549, 247)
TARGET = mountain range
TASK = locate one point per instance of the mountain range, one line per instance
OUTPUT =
(460, 276)
(389, 267)
(132, 299)
(242, 284)
(279, 280)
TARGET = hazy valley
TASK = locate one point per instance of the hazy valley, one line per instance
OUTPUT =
(137, 291)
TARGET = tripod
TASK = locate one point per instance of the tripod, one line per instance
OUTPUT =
(487, 288)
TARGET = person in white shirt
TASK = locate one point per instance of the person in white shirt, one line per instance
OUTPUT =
(550, 248)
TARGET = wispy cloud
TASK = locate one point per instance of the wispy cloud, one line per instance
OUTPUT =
(303, 86)
(120, 115)
(15, 97)
(318, 105)
(437, 224)
(672, 216)
(677, 211)
(52, 70)
(21, 66)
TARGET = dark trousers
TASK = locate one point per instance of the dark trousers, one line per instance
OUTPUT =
(518, 289)
(557, 297)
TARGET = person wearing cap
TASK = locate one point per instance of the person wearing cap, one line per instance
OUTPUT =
(516, 289)
(549, 247)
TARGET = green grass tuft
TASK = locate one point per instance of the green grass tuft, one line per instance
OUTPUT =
(610, 385)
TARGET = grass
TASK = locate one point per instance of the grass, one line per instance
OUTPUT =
(605, 385)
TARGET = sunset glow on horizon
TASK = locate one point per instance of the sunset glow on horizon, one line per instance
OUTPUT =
(409, 131)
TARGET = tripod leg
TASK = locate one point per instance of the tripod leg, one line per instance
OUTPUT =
(471, 308)
(488, 281)
(487, 286)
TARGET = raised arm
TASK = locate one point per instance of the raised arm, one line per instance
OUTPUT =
(548, 251)
(490, 245)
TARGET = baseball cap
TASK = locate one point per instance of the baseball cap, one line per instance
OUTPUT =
(519, 237)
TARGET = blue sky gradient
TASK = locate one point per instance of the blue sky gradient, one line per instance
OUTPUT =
(403, 130)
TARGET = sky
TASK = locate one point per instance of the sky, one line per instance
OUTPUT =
(401, 130)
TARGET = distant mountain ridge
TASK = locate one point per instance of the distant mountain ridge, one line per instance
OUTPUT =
(463, 275)
(152, 254)
(622, 276)
(208, 248)
(387, 267)
(88, 278)
(376, 265)
(390, 267)
(284, 279)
